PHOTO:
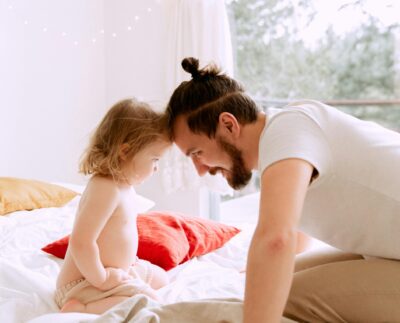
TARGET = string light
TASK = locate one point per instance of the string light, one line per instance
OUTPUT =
(101, 31)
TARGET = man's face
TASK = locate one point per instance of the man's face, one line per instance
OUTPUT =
(239, 176)
(212, 155)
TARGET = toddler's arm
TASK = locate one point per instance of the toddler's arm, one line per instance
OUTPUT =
(114, 277)
(98, 202)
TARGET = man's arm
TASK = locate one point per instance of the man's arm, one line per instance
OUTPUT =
(303, 242)
(273, 247)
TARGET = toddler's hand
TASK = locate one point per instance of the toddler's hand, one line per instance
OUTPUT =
(114, 277)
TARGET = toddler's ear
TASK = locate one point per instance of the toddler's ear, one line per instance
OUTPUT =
(123, 151)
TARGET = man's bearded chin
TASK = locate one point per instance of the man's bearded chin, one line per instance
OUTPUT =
(239, 175)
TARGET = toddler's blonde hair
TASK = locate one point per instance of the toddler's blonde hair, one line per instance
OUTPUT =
(128, 122)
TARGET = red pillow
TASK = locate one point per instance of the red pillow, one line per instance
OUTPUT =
(168, 239)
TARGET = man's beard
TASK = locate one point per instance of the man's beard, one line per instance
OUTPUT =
(239, 175)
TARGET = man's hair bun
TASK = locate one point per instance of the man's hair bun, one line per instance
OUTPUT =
(191, 65)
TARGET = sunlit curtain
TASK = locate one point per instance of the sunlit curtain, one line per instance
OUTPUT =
(197, 28)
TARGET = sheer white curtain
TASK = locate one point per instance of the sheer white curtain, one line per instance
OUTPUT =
(197, 28)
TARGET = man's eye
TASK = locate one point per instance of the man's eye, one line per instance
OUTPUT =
(196, 154)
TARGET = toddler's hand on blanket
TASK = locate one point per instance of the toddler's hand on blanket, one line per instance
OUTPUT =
(114, 277)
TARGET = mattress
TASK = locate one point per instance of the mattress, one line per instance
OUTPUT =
(28, 275)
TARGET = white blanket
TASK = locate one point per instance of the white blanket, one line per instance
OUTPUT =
(144, 310)
(141, 309)
(28, 276)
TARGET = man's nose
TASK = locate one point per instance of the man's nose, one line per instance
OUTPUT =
(201, 168)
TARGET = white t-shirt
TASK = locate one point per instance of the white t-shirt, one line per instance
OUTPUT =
(354, 203)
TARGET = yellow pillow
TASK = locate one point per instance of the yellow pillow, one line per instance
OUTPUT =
(18, 194)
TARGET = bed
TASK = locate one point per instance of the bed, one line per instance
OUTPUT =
(211, 283)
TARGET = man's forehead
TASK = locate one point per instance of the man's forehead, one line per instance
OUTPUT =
(182, 134)
(180, 126)
(185, 139)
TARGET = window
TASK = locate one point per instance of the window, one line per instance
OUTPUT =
(344, 53)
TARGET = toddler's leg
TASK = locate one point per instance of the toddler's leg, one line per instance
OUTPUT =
(97, 307)
(151, 274)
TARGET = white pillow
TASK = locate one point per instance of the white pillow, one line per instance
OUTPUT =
(144, 204)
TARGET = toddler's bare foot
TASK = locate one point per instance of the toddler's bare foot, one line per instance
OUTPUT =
(73, 305)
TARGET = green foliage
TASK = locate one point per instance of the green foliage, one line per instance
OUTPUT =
(274, 62)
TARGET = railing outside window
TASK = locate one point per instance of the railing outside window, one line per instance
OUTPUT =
(343, 53)
(384, 112)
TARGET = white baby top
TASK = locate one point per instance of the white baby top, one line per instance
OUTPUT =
(354, 204)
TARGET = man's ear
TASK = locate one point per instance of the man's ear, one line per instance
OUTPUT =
(123, 151)
(228, 124)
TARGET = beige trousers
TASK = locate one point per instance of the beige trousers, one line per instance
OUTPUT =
(333, 286)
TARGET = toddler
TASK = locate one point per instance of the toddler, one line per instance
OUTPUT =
(101, 268)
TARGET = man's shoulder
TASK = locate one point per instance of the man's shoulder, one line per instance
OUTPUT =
(307, 112)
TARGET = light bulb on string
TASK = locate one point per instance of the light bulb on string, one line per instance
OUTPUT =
(64, 34)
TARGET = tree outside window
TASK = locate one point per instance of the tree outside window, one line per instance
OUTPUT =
(344, 53)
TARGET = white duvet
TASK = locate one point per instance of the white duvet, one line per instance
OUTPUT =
(28, 275)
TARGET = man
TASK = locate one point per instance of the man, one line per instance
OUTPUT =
(326, 173)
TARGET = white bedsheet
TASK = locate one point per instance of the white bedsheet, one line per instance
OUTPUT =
(28, 275)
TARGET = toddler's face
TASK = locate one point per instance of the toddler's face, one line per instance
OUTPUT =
(144, 163)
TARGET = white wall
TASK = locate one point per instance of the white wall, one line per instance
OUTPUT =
(136, 66)
(135, 57)
(52, 90)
